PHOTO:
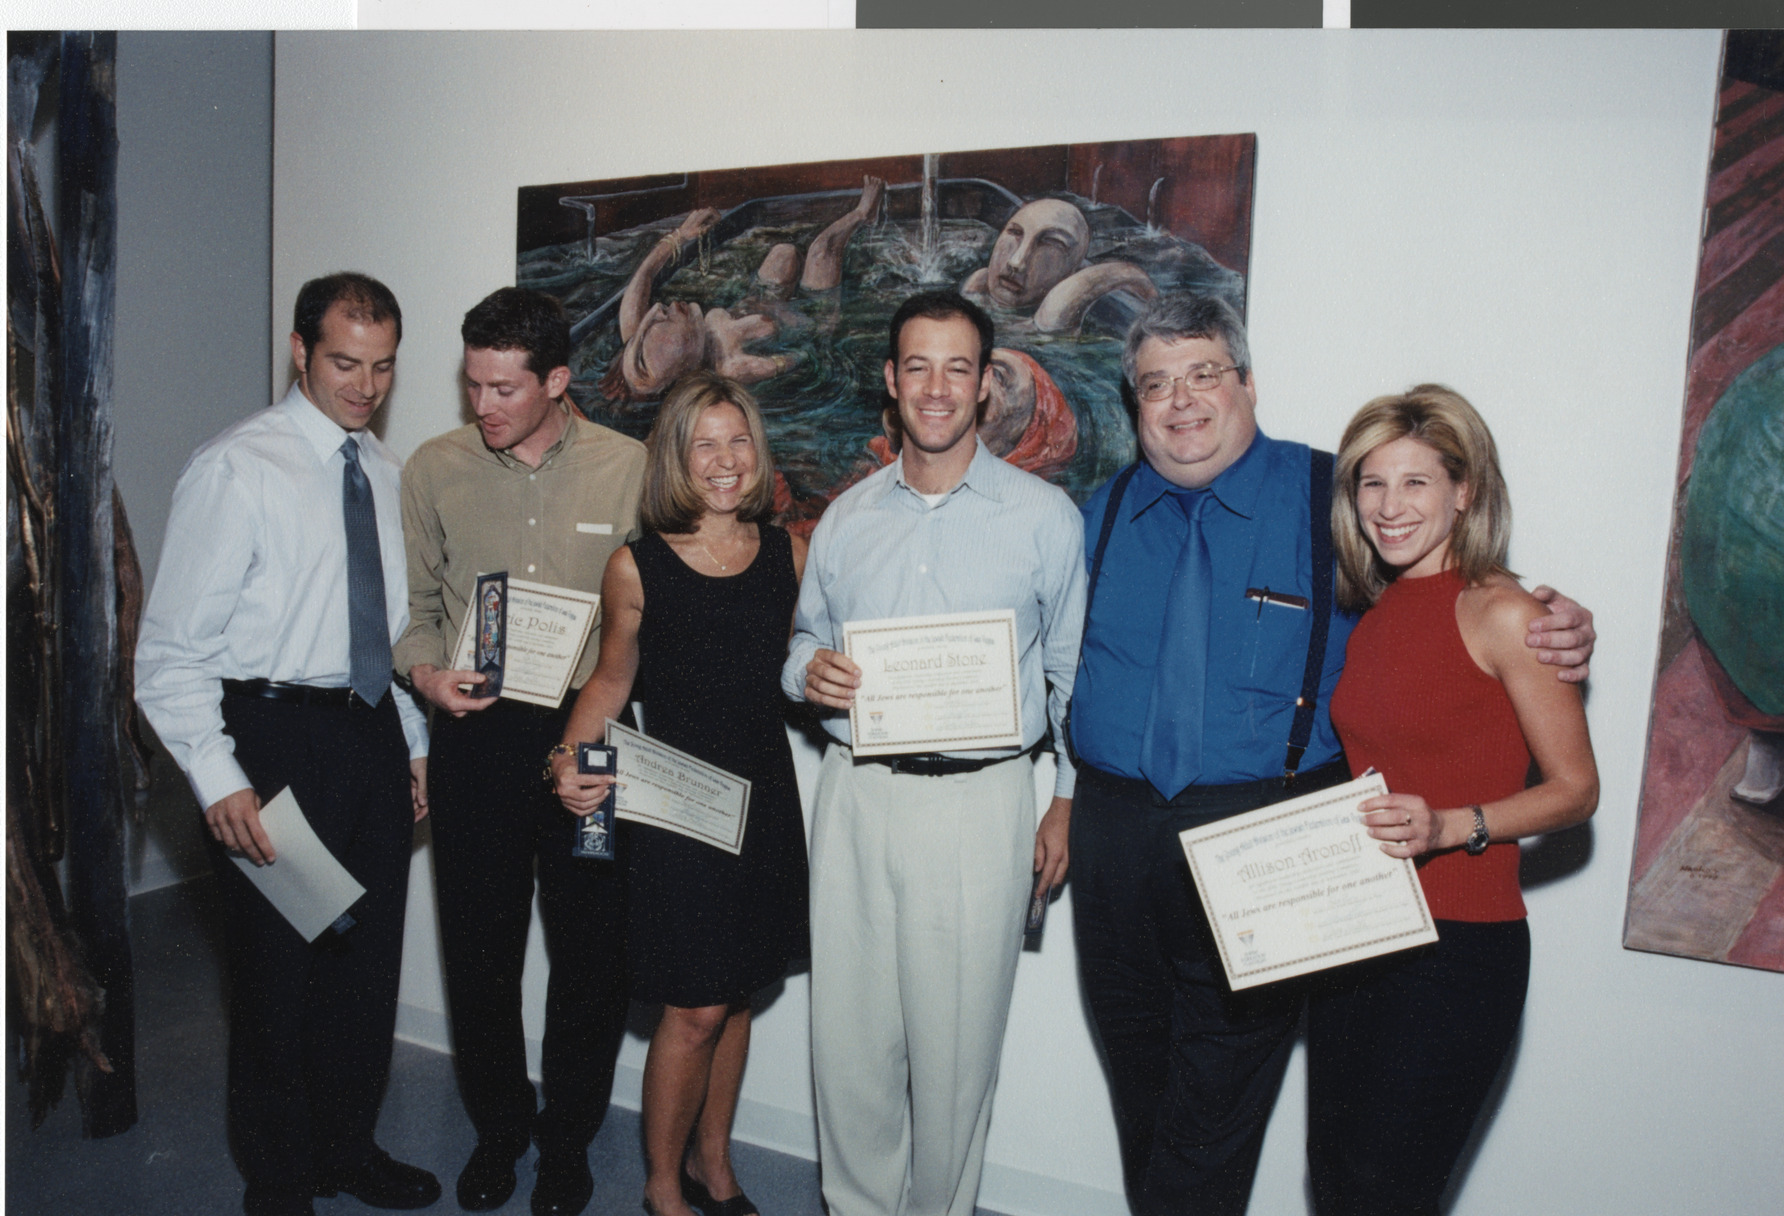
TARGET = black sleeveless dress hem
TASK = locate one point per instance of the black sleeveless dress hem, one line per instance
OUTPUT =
(705, 927)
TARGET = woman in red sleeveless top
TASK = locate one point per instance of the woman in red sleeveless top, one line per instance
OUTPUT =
(1440, 695)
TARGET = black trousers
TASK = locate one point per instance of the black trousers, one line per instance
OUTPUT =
(494, 820)
(310, 1025)
(1401, 1054)
(1193, 1066)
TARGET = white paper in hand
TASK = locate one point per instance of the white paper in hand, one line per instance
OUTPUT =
(306, 884)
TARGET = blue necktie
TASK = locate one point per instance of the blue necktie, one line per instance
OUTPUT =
(1171, 747)
(368, 628)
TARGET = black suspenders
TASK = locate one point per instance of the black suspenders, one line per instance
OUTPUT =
(1319, 509)
(1117, 492)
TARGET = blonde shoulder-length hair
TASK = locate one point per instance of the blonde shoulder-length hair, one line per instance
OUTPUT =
(670, 501)
(1442, 420)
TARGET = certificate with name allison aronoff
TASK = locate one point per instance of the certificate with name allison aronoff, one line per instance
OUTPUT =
(669, 789)
(935, 683)
(546, 630)
(1300, 886)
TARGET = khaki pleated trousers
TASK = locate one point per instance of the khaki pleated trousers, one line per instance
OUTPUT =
(919, 888)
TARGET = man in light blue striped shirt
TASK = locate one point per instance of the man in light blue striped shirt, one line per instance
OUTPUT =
(922, 865)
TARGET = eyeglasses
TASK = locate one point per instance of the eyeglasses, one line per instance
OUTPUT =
(1200, 378)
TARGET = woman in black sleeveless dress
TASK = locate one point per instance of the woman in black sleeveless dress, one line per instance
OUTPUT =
(696, 619)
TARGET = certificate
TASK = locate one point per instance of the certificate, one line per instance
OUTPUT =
(935, 683)
(669, 789)
(308, 886)
(1300, 886)
(547, 627)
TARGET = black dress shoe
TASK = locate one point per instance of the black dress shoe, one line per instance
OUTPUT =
(383, 1182)
(487, 1180)
(564, 1184)
(262, 1201)
(699, 1198)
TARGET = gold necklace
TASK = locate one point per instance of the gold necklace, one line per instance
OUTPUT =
(723, 568)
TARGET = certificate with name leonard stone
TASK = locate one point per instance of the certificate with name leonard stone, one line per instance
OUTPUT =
(670, 789)
(547, 629)
(941, 683)
(1300, 886)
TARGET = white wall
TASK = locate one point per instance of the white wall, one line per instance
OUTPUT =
(1513, 213)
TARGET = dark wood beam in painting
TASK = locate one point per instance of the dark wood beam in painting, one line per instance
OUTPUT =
(1204, 187)
(1211, 205)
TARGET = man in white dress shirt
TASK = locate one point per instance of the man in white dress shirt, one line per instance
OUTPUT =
(264, 664)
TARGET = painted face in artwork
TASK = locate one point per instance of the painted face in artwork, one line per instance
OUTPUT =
(1039, 247)
(670, 342)
(1012, 403)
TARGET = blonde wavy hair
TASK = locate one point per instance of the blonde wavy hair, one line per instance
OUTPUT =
(1443, 421)
(671, 502)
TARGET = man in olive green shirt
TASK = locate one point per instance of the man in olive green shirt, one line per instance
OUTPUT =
(533, 489)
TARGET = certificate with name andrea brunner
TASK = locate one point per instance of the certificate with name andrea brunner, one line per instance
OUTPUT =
(943, 683)
(546, 629)
(1300, 886)
(669, 789)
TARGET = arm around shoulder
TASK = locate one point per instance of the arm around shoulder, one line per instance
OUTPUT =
(1563, 635)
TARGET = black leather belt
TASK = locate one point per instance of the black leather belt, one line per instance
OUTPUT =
(934, 764)
(297, 694)
(1220, 799)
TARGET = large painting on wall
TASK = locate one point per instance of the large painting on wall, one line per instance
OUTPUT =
(785, 277)
(1708, 877)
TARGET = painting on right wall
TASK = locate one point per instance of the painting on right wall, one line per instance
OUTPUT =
(1708, 877)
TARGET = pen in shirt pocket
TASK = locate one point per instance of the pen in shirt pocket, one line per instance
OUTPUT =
(1263, 595)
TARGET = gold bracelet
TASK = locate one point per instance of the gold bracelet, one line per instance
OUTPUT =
(558, 749)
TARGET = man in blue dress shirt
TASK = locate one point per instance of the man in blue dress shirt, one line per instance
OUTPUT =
(922, 865)
(1203, 682)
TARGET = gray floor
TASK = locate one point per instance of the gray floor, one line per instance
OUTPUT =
(176, 1159)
